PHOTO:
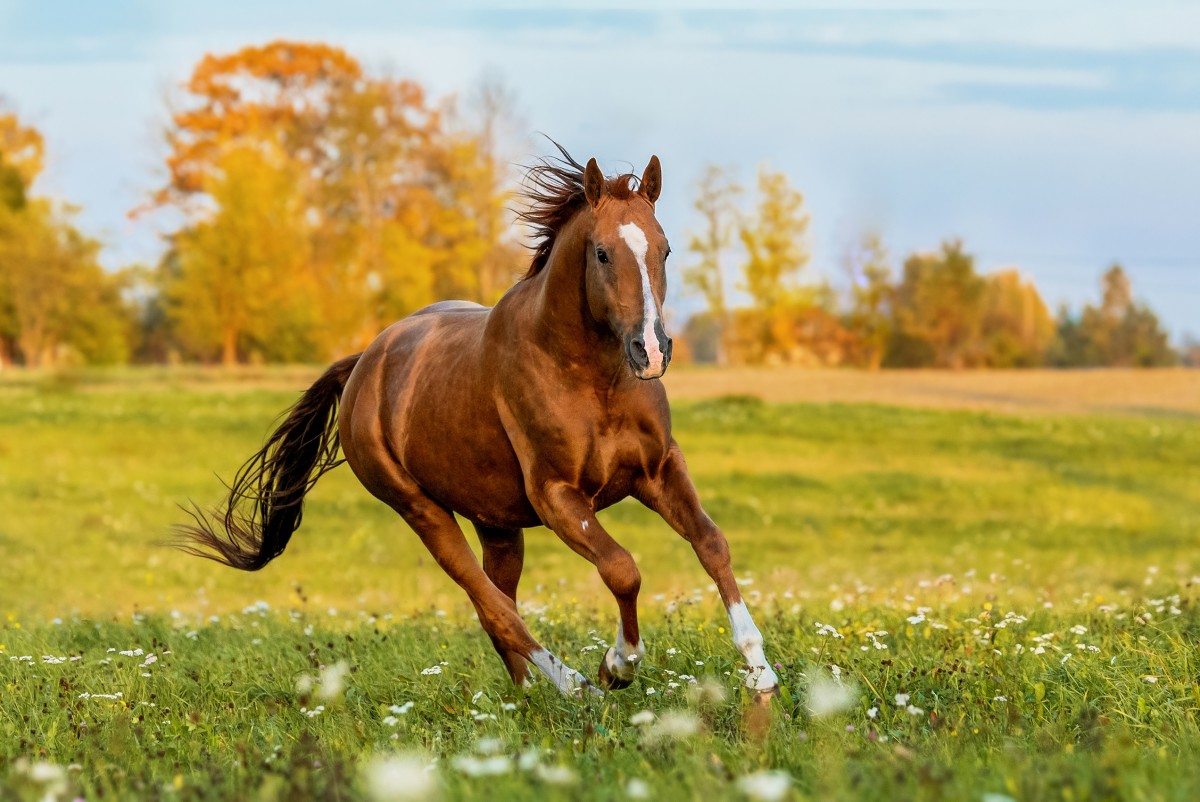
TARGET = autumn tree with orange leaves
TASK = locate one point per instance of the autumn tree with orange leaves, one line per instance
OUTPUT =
(320, 204)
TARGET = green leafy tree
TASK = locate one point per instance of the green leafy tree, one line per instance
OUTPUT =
(1118, 333)
(58, 302)
(938, 310)
(12, 188)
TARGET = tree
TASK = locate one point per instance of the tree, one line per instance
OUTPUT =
(242, 280)
(56, 301)
(938, 311)
(373, 211)
(775, 240)
(775, 243)
(471, 259)
(1121, 332)
(281, 91)
(22, 151)
(1016, 326)
(872, 296)
(716, 202)
(1118, 333)
(1069, 348)
(391, 206)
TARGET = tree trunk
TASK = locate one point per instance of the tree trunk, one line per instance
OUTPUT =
(229, 348)
(32, 346)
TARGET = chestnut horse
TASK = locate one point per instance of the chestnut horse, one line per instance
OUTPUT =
(541, 410)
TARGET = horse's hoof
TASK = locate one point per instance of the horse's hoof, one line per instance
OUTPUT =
(608, 680)
(757, 717)
(763, 698)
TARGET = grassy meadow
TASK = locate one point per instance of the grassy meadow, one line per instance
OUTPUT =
(991, 603)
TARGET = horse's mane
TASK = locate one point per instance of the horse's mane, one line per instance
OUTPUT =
(553, 191)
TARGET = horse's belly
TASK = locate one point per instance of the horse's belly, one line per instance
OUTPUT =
(456, 449)
(480, 481)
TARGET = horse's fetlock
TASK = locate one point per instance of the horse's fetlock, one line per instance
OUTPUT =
(749, 641)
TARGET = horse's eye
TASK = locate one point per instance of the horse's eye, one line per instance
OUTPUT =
(602, 256)
(668, 253)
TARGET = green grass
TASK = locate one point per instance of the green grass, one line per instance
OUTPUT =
(934, 526)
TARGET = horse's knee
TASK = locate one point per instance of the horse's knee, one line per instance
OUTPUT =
(620, 573)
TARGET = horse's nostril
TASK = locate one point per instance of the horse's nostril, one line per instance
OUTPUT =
(668, 349)
(637, 353)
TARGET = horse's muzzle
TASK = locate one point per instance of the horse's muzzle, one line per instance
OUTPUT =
(648, 363)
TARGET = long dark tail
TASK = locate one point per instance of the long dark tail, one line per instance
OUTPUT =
(266, 498)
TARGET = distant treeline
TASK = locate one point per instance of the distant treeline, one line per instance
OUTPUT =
(938, 312)
(316, 203)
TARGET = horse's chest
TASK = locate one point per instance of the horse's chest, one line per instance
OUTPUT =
(617, 458)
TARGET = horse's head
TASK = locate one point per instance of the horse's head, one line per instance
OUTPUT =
(626, 265)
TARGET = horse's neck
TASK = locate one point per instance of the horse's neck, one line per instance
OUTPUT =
(562, 319)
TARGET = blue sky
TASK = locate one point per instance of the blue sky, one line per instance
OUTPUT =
(1056, 141)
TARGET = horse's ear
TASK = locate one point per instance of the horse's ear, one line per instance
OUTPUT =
(593, 182)
(651, 184)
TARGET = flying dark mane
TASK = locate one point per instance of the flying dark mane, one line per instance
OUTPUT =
(553, 190)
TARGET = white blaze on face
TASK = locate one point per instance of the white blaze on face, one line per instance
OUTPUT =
(635, 238)
(749, 642)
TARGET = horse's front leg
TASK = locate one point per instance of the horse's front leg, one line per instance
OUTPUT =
(569, 513)
(673, 496)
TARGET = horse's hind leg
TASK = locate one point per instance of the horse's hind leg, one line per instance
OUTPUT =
(503, 559)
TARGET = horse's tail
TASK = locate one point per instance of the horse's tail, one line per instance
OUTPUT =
(266, 497)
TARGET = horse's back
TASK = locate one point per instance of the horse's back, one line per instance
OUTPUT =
(435, 346)
(446, 331)
(451, 306)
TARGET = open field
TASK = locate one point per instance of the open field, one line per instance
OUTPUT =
(1036, 577)
(1165, 391)
(1162, 391)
